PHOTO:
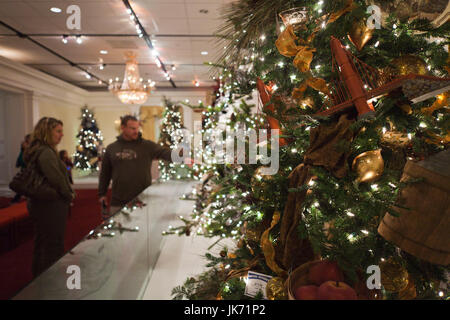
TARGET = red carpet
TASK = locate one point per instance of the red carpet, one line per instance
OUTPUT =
(15, 265)
(4, 202)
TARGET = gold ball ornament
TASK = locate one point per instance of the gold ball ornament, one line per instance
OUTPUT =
(408, 64)
(369, 166)
(306, 102)
(275, 289)
(360, 34)
(259, 183)
(394, 277)
(406, 108)
(409, 293)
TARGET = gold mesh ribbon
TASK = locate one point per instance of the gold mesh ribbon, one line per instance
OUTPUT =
(319, 85)
(286, 42)
(315, 83)
(336, 15)
(304, 58)
(298, 93)
(268, 249)
(287, 46)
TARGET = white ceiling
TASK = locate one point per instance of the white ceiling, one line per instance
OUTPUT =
(179, 30)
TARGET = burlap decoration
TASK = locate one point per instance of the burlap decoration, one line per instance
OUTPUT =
(322, 152)
(296, 251)
(323, 149)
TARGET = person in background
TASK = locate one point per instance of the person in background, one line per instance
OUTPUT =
(49, 216)
(127, 162)
(20, 163)
(64, 156)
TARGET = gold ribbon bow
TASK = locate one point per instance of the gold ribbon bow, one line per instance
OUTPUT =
(268, 249)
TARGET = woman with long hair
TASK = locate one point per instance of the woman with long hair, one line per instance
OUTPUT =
(49, 216)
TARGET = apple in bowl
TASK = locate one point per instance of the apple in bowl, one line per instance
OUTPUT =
(325, 271)
(336, 290)
(306, 292)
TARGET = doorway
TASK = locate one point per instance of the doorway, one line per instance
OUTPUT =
(12, 132)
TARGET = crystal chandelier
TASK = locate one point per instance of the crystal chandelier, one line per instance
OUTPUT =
(132, 90)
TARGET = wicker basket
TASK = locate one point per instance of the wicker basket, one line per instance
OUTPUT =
(423, 231)
(299, 277)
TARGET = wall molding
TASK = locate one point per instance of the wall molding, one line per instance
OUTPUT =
(15, 76)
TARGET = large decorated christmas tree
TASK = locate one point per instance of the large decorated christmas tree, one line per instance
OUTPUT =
(90, 142)
(359, 90)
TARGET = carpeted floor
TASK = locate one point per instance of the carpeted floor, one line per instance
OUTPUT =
(15, 265)
(4, 202)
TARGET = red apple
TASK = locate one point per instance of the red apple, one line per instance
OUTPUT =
(325, 271)
(306, 293)
(335, 290)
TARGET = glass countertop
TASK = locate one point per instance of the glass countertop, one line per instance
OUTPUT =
(114, 261)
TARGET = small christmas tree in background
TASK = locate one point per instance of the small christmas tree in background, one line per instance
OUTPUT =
(90, 141)
(171, 136)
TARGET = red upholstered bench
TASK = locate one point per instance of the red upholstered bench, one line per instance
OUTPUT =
(6, 227)
(15, 226)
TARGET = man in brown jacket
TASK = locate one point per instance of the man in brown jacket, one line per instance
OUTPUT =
(127, 162)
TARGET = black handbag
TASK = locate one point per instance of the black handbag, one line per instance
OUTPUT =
(31, 183)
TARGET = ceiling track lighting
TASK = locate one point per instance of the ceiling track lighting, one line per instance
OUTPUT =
(143, 34)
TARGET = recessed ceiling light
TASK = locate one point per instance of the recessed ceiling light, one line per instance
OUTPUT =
(103, 52)
(204, 53)
(56, 10)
